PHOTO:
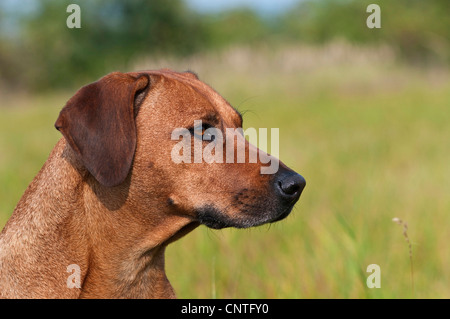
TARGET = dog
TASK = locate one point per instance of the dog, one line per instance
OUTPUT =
(109, 199)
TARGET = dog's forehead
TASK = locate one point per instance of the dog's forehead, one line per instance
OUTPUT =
(189, 78)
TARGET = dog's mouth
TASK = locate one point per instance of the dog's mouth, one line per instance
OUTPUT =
(212, 217)
(283, 215)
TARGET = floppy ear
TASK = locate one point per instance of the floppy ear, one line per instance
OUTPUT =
(98, 123)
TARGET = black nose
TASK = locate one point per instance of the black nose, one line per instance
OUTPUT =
(291, 185)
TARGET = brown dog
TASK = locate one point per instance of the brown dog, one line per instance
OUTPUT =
(109, 199)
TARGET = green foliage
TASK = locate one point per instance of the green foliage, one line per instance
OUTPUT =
(420, 30)
(240, 26)
(112, 33)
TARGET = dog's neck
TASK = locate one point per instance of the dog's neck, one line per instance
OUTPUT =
(119, 255)
(125, 253)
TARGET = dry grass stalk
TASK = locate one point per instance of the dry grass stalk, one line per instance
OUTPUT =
(405, 234)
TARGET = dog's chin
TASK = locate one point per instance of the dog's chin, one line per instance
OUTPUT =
(212, 217)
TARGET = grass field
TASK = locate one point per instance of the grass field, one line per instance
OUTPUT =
(372, 139)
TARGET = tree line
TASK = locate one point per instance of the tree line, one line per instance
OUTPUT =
(38, 51)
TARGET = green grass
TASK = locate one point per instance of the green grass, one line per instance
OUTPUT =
(371, 139)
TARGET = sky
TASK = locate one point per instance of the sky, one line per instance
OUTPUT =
(261, 6)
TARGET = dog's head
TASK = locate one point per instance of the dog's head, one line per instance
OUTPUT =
(165, 133)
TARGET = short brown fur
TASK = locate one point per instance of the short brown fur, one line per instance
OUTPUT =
(110, 200)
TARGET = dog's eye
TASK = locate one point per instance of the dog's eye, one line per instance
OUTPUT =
(201, 132)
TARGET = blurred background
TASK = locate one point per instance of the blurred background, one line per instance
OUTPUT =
(363, 116)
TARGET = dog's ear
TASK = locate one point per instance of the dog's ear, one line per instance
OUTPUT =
(98, 122)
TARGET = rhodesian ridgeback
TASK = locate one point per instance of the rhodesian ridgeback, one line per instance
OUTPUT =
(109, 199)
